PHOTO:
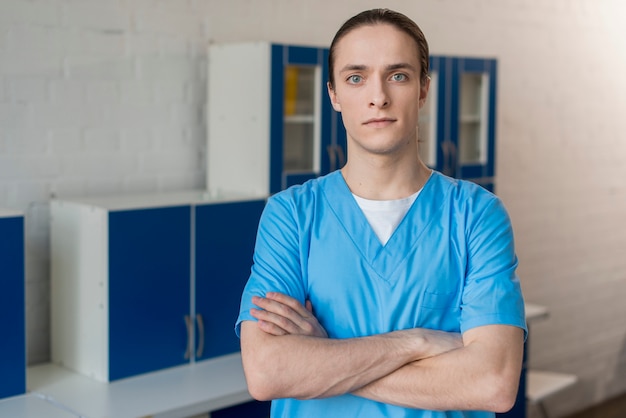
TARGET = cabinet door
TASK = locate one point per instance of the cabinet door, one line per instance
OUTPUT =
(225, 237)
(13, 345)
(474, 106)
(463, 99)
(301, 116)
(149, 289)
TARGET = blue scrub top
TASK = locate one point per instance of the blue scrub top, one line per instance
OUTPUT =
(450, 265)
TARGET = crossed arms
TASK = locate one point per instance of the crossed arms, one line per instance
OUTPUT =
(287, 354)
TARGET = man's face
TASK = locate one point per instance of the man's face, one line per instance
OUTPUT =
(377, 88)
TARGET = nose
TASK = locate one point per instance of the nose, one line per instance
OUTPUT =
(379, 96)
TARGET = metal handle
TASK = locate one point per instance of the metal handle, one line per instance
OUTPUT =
(201, 336)
(341, 156)
(330, 149)
(189, 337)
(336, 156)
(449, 158)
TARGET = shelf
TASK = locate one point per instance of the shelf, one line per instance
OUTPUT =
(300, 119)
(541, 384)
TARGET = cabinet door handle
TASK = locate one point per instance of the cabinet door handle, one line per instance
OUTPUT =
(336, 156)
(341, 156)
(200, 336)
(330, 149)
(189, 336)
(449, 158)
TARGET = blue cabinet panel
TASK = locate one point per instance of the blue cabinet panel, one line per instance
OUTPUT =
(12, 344)
(149, 289)
(225, 237)
(253, 409)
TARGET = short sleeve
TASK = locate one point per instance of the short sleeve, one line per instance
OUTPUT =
(276, 262)
(492, 292)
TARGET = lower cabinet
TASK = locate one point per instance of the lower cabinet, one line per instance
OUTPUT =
(12, 308)
(143, 283)
(253, 409)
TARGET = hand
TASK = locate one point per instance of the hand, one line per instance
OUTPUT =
(283, 315)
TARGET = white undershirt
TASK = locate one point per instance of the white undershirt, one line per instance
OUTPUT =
(384, 216)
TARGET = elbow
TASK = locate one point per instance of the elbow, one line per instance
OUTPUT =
(501, 393)
(259, 392)
(261, 385)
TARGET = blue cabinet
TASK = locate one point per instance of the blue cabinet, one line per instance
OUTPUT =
(12, 311)
(458, 122)
(272, 130)
(144, 283)
(225, 237)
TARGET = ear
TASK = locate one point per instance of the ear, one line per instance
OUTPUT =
(424, 87)
(333, 97)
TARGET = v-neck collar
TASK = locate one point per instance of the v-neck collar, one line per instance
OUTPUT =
(384, 259)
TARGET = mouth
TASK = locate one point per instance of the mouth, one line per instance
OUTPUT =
(379, 122)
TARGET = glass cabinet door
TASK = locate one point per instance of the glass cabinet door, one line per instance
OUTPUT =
(475, 117)
(301, 119)
(472, 118)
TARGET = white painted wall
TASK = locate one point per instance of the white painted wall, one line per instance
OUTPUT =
(108, 96)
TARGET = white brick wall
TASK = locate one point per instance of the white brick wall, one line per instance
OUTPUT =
(107, 96)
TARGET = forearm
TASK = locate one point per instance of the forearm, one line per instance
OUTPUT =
(478, 376)
(297, 366)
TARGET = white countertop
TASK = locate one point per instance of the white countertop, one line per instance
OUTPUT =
(177, 392)
(32, 406)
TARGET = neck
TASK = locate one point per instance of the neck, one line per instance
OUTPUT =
(385, 178)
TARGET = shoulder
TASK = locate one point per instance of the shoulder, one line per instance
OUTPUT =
(466, 195)
(463, 191)
(471, 204)
(302, 196)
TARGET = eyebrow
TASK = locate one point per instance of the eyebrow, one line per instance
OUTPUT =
(390, 67)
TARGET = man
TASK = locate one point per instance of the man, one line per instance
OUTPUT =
(384, 289)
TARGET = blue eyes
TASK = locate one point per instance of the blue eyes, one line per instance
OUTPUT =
(357, 79)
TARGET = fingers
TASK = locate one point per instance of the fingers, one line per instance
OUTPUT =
(273, 323)
(281, 314)
(288, 301)
(267, 326)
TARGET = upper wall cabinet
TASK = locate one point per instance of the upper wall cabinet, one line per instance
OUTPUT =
(270, 121)
(457, 123)
(12, 311)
